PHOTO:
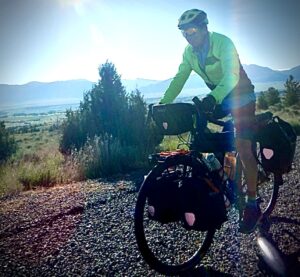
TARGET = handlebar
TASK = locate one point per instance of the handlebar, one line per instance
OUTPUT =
(209, 117)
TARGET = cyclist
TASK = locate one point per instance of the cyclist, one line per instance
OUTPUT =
(213, 56)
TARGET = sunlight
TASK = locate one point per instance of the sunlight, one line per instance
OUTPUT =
(271, 255)
(78, 5)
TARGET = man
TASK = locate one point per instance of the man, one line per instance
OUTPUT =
(213, 56)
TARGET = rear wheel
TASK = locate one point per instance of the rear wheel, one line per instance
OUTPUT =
(169, 248)
(267, 187)
(267, 194)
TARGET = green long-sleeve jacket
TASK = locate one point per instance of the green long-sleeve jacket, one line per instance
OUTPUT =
(222, 73)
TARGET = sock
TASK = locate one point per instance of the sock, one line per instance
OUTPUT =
(251, 195)
(251, 201)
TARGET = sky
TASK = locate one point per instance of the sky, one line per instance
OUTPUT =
(51, 40)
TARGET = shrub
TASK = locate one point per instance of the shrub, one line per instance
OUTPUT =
(104, 156)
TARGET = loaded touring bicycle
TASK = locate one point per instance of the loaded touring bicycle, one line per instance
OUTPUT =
(186, 196)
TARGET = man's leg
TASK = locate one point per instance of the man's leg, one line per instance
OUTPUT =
(249, 165)
(244, 119)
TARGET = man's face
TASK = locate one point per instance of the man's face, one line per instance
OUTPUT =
(195, 36)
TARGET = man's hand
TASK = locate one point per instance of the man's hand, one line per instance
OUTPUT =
(208, 103)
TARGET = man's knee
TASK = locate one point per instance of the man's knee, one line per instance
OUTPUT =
(244, 148)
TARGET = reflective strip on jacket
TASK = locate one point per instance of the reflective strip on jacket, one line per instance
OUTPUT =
(223, 72)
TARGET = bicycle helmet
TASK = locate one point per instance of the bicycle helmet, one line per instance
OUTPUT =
(192, 18)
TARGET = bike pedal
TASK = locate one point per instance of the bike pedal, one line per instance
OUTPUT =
(259, 200)
(262, 177)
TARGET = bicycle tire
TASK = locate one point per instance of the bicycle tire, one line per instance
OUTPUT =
(267, 191)
(269, 207)
(145, 246)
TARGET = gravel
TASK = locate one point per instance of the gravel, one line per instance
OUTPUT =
(86, 229)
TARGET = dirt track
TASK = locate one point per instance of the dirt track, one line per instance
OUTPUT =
(86, 229)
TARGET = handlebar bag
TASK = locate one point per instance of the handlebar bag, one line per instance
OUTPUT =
(174, 118)
(277, 142)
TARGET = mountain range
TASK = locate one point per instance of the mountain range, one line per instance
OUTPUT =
(71, 91)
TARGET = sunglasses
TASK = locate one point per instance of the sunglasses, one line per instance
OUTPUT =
(189, 32)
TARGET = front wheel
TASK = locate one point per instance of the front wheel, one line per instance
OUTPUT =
(168, 248)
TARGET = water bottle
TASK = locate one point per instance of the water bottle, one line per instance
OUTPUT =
(230, 165)
(226, 202)
(216, 166)
(213, 162)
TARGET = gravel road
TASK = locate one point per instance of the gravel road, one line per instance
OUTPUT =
(86, 229)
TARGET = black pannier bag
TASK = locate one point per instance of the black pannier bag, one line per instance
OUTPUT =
(215, 142)
(202, 208)
(277, 142)
(174, 118)
(163, 197)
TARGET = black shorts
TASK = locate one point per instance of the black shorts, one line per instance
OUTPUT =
(244, 121)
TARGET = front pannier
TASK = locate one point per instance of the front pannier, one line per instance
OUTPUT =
(202, 208)
(277, 142)
(174, 118)
(164, 199)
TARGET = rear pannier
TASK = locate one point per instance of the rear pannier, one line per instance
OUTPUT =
(277, 141)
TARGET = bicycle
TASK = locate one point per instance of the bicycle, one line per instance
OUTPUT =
(157, 241)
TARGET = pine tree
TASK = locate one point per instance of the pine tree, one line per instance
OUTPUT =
(272, 96)
(292, 91)
(7, 143)
(262, 102)
(113, 121)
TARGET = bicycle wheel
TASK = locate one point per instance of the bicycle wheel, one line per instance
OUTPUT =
(168, 248)
(267, 188)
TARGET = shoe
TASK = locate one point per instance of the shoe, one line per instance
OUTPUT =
(251, 217)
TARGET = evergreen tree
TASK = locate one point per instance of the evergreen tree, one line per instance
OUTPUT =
(272, 96)
(113, 120)
(292, 92)
(262, 102)
(7, 143)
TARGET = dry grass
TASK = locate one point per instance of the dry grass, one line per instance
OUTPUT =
(37, 163)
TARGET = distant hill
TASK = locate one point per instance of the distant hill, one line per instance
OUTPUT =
(71, 91)
(295, 71)
(265, 74)
(131, 85)
(37, 93)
